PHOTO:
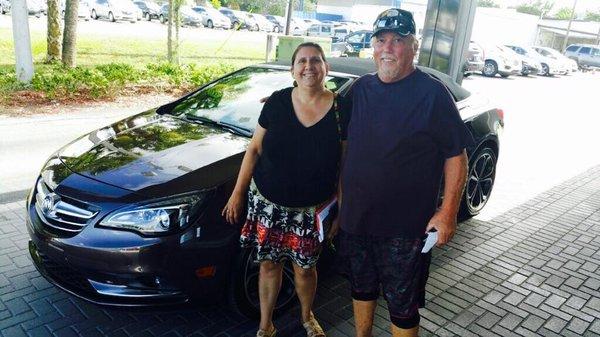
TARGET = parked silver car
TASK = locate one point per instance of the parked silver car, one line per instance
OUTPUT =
(568, 64)
(261, 23)
(212, 18)
(114, 10)
(586, 55)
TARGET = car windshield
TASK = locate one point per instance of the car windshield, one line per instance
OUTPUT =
(234, 100)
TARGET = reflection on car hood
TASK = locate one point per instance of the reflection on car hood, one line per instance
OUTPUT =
(147, 150)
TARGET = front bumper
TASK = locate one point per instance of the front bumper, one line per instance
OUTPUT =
(125, 269)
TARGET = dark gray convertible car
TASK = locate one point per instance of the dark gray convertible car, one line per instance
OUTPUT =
(129, 214)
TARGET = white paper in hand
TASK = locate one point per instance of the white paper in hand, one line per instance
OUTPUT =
(322, 214)
(430, 241)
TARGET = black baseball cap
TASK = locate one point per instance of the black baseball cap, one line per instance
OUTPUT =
(395, 20)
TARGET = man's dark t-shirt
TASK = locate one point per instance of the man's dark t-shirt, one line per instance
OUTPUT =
(398, 139)
(298, 166)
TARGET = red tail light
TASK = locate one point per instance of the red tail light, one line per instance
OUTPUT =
(500, 113)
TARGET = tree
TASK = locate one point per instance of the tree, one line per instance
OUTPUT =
(174, 22)
(564, 13)
(592, 16)
(487, 3)
(54, 35)
(538, 7)
(69, 50)
(216, 3)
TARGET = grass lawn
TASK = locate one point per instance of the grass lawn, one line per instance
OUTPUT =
(95, 50)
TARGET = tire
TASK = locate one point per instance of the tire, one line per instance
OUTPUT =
(256, 28)
(480, 182)
(94, 14)
(490, 69)
(209, 24)
(504, 75)
(235, 25)
(545, 70)
(276, 29)
(147, 16)
(243, 293)
(162, 19)
(111, 17)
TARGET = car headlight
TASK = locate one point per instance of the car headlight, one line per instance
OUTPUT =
(159, 216)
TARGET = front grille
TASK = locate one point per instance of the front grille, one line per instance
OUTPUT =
(61, 213)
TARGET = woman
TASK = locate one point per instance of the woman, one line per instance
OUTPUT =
(290, 169)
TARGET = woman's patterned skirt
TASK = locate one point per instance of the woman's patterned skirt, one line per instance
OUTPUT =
(280, 232)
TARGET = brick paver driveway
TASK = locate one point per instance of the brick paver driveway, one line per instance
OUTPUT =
(532, 271)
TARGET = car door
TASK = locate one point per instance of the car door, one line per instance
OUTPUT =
(102, 8)
(594, 58)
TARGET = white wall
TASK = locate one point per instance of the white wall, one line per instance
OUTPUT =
(500, 26)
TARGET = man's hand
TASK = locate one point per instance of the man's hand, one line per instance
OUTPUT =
(445, 224)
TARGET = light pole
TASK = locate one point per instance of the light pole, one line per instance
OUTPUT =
(569, 27)
(288, 19)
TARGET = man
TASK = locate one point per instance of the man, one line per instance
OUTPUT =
(404, 133)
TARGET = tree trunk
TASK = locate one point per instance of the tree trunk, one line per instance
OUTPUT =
(177, 21)
(54, 32)
(69, 51)
(170, 33)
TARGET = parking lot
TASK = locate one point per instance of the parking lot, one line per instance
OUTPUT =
(526, 266)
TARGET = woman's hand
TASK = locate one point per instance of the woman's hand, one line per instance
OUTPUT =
(234, 208)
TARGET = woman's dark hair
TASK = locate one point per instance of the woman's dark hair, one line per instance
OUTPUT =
(308, 44)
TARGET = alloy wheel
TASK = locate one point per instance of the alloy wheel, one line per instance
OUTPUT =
(251, 272)
(480, 180)
(490, 69)
(545, 70)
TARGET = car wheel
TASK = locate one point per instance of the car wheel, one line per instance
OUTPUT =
(147, 16)
(504, 75)
(161, 18)
(235, 25)
(480, 181)
(256, 28)
(94, 15)
(209, 24)
(545, 69)
(243, 292)
(111, 17)
(276, 29)
(490, 69)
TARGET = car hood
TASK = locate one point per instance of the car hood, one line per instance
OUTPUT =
(148, 153)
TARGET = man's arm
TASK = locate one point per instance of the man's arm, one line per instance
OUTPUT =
(455, 176)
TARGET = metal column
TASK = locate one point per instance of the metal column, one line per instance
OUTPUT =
(446, 35)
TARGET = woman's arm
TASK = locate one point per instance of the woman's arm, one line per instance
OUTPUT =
(233, 209)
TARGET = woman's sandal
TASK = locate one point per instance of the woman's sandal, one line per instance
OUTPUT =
(313, 329)
(265, 333)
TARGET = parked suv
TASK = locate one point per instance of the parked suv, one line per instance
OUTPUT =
(586, 55)
(498, 61)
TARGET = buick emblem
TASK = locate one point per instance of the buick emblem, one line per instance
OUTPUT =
(49, 203)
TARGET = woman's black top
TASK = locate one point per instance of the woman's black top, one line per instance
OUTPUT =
(298, 166)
